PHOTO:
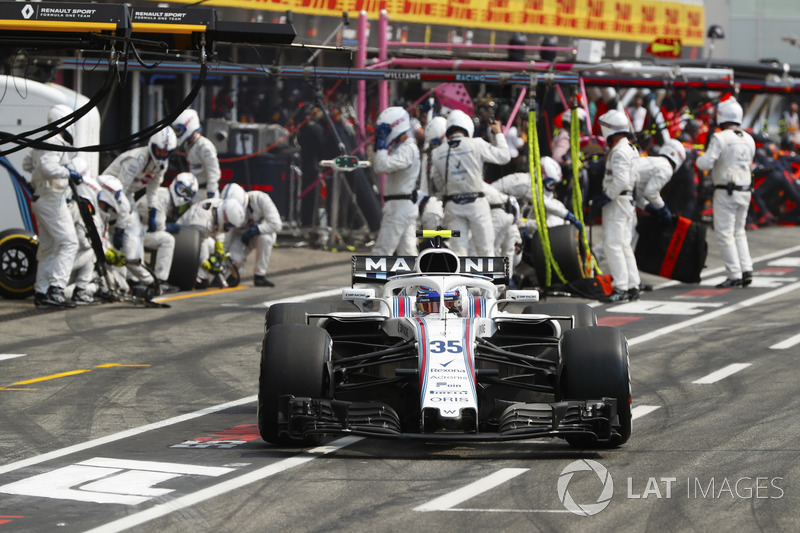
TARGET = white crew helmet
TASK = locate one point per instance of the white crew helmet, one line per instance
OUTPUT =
(551, 173)
(183, 189)
(58, 112)
(162, 143)
(434, 131)
(566, 116)
(185, 125)
(230, 214)
(674, 151)
(729, 111)
(459, 119)
(111, 200)
(234, 191)
(397, 119)
(613, 122)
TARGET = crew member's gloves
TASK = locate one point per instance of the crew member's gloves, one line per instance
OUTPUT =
(118, 238)
(151, 220)
(381, 133)
(597, 205)
(75, 176)
(115, 258)
(172, 228)
(666, 215)
(210, 194)
(572, 219)
(248, 235)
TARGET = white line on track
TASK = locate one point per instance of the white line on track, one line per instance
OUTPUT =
(641, 410)
(221, 488)
(714, 314)
(55, 454)
(4, 356)
(295, 299)
(451, 499)
(788, 343)
(721, 373)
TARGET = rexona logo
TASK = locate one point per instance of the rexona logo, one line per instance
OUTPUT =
(585, 509)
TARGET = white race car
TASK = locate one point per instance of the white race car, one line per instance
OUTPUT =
(433, 352)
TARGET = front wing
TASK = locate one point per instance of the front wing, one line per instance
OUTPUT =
(301, 417)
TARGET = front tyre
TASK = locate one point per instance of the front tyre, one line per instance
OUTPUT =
(293, 361)
(595, 364)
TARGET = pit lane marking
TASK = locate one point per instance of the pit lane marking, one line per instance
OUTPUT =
(55, 454)
(67, 374)
(5, 356)
(447, 501)
(788, 343)
(200, 496)
(207, 292)
(721, 373)
(642, 410)
(714, 314)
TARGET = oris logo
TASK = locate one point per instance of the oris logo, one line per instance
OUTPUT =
(586, 509)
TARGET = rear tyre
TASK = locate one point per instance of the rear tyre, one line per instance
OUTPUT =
(594, 364)
(293, 361)
(583, 314)
(17, 263)
(186, 258)
(293, 313)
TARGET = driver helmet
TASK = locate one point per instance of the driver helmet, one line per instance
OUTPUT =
(428, 300)
(183, 189)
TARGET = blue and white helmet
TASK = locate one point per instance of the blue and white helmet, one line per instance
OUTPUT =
(429, 300)
(183, 189)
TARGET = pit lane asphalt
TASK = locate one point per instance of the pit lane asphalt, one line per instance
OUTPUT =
(203, 352)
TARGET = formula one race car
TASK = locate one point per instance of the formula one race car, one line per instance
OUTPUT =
(433, 353)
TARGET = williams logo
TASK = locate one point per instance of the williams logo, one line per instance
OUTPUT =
(585, 509)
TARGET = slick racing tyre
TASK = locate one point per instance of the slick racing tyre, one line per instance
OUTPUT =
(582, 314)
(293, 361)
(566, 247)
(186, 258)
(293, 313)
(17, 263)
(594, 364)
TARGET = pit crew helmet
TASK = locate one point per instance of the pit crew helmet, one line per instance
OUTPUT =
(185, 125)
(613, 122)
(234, 191)
(183, 189)
(566, 116)
(674, 151)
(434, 131)
(729, 111)
(428, 301)
(111, 199)
(230, 214)
(57, 112)
(459, 119)
(398, 120)
(551, 173)
(162, 143)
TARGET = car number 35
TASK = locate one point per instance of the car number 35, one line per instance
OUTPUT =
(452, 346)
